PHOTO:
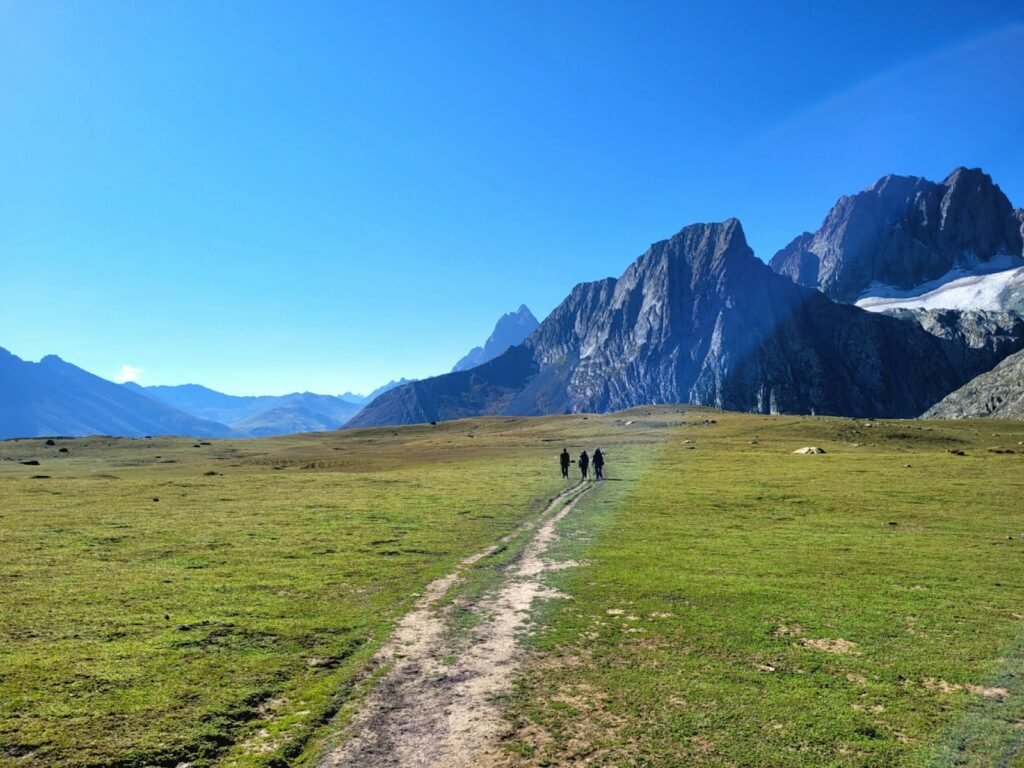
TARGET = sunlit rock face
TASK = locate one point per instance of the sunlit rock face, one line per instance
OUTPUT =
(904, 232)
(699, 319)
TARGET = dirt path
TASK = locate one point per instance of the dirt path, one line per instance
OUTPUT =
(431, 710)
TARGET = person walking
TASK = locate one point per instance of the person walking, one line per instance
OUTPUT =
(584, 465)
(565, 461)
(598, 465)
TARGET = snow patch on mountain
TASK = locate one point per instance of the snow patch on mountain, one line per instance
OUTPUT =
(987, 287)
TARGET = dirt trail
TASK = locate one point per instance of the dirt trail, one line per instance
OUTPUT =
(429, 710)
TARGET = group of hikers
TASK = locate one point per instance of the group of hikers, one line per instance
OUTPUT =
(584, 463)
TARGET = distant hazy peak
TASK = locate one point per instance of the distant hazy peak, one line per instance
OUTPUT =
(512, 328)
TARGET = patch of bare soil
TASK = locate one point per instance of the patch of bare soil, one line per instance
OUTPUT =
(838, 645)
(434, 706)
(986, 692)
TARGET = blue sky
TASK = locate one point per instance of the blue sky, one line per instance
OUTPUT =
(266, 197)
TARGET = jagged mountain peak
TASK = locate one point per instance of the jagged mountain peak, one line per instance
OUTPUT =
(904, 231)
(698, 319)
(511, 329)
(964, 175)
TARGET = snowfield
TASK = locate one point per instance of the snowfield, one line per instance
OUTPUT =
(988, 287)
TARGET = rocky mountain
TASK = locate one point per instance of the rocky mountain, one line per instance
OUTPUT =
(259, 415)
(905, 236)
(998, 394)
(1001, 333)
(52, 397)
(699, 319)
(511, 329)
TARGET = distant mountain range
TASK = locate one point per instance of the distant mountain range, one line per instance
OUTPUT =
(53, 397)
(698, 319)
(908, 291)
(364, 399)
(256, 416)
(511, 329)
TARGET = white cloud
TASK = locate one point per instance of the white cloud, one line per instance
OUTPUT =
(128, 373)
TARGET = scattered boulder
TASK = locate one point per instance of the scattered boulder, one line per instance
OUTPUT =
(63, 450)
(998, 449)
(31, 463)
(956, 452)
(809, 450)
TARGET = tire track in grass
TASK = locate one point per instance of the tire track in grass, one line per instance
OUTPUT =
(428, 710)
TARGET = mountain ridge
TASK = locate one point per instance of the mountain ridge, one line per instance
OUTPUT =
(903, 231)
(55, 398)
(698, 318)
(261, 412)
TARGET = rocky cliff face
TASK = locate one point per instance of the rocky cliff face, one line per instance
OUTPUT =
(999, 333)
(997, 394)
(699, 319)
(902, 232)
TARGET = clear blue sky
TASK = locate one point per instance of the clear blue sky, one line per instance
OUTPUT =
(264, 197)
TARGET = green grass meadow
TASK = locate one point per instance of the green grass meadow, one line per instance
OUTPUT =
(736, 604)
(214, 602)
(746, 606)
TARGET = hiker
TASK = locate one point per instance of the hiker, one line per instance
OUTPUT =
(598, 465)
(565, 460)
(584, 464)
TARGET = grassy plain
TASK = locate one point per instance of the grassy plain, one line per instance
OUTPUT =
(743, 605)
(739, 605)
(214, 602)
